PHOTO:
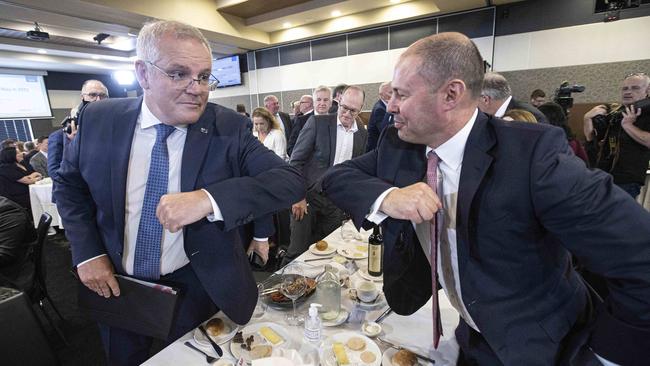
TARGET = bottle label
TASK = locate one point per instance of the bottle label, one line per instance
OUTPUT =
(374, 258)
(312, 335)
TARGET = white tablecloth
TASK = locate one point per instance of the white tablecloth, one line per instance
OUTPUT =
(40, 196)
(413, 332)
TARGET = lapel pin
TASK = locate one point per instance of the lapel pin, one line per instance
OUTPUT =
(204, 130)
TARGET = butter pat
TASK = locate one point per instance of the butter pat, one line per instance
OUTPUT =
(339, 352)
(271, 335)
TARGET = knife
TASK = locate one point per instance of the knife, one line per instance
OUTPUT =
(392, 345)
(216, 347)
(317, 259)
(384, 315)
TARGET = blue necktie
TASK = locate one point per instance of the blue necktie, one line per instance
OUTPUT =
(150, 231)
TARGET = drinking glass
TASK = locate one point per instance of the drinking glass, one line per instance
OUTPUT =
(293, 286)
(348, 230)
(260, 307)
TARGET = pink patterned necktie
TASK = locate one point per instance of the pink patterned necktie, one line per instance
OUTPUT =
(432, 180)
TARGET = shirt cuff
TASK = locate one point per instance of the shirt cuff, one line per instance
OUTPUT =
(605, 362)
(375, 216)
(88, 260)
(261, 239)
(216, 212)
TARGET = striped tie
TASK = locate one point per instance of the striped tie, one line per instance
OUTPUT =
(432, 180)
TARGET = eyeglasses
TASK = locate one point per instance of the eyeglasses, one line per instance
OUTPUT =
(96, 95)
(182, 80)
(346, 109)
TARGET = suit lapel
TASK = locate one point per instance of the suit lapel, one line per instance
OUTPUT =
(332, 131)
(358, 146)
(476, 162)
(123, 127)
(197, 142)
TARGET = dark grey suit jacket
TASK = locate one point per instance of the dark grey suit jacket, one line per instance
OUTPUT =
(39, 163)
(285, 119)
(315, 149)
(515, 104)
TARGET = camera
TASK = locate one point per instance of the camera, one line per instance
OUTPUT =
(563, 95)
(67, 124)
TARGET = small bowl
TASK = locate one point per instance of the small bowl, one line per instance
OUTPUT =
(371, 329)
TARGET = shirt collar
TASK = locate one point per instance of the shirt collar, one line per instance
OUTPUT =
(44, 153)
(451, 152)
(147, 119)
(354, 127)
(502, 110)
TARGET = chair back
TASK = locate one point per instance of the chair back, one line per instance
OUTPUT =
(41, 237)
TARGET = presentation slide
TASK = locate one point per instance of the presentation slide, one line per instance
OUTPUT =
(227, 71)
(23, 96)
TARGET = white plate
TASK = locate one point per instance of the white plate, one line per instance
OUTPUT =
(379, 302)
(253, 329)
(363, 272)
(329, 250)
(343, 316)
(353, 356)
(225, 361)
(388, 355)
(351, 252)
(230, 328)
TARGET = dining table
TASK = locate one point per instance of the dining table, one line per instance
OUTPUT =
(413, 332)
(40, 197)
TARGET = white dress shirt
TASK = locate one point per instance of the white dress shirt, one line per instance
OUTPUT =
(280, 122)
(502, 110)
(344, 142)
(451, 162)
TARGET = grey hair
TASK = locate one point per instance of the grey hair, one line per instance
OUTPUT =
(268, 97)
(322, 88)
(152, 32)
(309, 97)
(383, 85)
(496, 86)
(85, 85)
(450, 56)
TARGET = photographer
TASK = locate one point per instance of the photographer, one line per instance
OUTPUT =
(91, 91)
(618, 137)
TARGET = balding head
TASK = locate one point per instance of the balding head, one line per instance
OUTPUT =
(93, 90)
(494, 93)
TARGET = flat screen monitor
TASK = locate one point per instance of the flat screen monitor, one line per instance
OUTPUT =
(23, 96)
(227, 71)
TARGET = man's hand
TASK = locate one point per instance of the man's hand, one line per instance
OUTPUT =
(259, 247)
(175, 210)
(299, 209)
(97, 275)
(73, 129)
(588, 125)
(629, 115)
(417, 203)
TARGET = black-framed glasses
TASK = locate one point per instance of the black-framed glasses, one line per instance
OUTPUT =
(346, 109)
(183, 80)
(96, 95)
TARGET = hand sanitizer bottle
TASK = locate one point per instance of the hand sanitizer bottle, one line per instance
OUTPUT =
(313, 326)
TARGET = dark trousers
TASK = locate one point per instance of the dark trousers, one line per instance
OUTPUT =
(125, 348)
(322, 218)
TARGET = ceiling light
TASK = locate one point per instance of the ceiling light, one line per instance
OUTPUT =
(42, 51)
(336, 13)
(395, 1)
(95, 57)
(124, 77)
(286, 25)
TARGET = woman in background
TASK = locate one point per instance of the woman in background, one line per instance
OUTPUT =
(268, 131)
(15, 178)
(519, 115)
(555, 114)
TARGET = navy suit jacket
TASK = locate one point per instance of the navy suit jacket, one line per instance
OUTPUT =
(247, 181)
(539, 116)
(524, 202)
(298, 124)
(375, 124)
(55, 144)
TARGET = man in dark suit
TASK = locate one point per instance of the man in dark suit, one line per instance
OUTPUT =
(39, 160)
(177, 224)
(17, 236)
(272, 104)
(496, 98)
(378, 120)
(325, 141)
(503, 207)
(307, 109)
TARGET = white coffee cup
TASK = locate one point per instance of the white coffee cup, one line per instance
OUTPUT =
(367, 291)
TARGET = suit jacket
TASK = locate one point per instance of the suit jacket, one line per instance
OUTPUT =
(515, 104)
(55, 144)
(524, 202)
(220, 155)
(285, 119)
(39, 163)
(295, 131)
(315, 150)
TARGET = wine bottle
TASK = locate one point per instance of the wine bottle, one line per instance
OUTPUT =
(375, 252)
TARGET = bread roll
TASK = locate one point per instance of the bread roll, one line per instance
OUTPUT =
(356, 344)
(214, 327)
(321, 245)
(404, 358)
(368, 357)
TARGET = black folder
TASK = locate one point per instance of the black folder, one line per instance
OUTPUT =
(139, 308)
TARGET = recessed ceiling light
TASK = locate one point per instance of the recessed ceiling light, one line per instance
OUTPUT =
(336, 13)
(395, 1)
(95, 57)
(286, 25)
(42, 51)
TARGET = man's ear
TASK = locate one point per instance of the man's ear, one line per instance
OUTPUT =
(141, 74)
(455, 91)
